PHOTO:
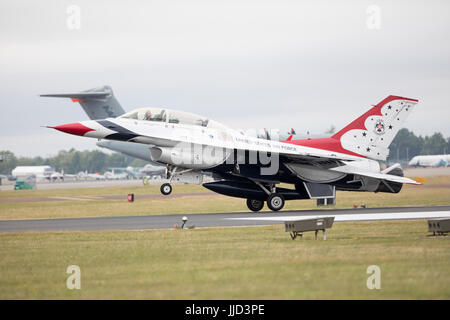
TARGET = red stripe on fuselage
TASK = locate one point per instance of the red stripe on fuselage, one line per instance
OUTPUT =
(328, 144)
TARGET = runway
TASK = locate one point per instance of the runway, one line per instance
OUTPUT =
(235, 219)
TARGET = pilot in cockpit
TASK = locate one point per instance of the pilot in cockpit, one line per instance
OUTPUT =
(148, 115)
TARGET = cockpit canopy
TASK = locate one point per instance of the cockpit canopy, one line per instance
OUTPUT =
(166, 115)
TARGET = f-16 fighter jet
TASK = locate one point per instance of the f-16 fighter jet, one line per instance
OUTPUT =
(251, 167)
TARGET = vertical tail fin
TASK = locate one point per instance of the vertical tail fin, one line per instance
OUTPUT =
(98, 103)
(372, 133)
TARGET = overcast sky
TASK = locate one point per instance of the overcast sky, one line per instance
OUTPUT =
(248, 64)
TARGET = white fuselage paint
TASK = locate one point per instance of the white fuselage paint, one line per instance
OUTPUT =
(165, 134)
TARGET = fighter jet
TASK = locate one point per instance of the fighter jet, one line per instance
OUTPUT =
(252, 168)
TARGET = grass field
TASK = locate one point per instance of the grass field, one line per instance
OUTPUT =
(228, 263)
(221, 263)
(435, 191)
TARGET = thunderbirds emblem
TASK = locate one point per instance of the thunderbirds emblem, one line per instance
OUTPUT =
(379, 127)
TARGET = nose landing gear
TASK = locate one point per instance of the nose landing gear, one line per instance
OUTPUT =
(166, 188)
(186, 176)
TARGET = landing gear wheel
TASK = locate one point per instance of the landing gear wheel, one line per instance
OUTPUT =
(166, 189)
(275, 202)
(255, 205)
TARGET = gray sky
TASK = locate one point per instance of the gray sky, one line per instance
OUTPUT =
(247, 64)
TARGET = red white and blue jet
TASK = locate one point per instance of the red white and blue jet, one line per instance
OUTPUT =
(249, 167)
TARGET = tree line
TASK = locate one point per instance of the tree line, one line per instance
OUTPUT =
(407, 145)
(71, 161)
(404, 146)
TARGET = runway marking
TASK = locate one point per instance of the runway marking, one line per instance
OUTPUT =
(358, 217)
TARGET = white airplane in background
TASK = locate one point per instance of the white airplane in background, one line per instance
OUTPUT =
(439, 160)
(250, 167)
(148, 170)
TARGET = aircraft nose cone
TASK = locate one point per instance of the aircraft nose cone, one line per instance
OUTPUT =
(73, 128)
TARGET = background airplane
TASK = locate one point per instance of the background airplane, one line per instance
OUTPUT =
(148, 170)
(316, 167)
(100, 103)
(440, 160)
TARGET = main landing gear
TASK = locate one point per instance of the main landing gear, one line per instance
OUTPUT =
(275, 201)
(255, 205)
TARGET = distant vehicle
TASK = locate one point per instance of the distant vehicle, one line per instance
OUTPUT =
(96, 176)
(56, 176)
(84, 175)
(440, 160)
(154, 171)
(41, 173)
(25, 182)
(148, 170)
(250, 167)
(113, 175)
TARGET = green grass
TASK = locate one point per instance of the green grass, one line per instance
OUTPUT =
(213, 203)
(102, 191)
(228, 263)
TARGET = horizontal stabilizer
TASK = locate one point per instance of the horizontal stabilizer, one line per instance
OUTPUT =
(381, 176)
(391, 168)
(98, 103)
(79, 95)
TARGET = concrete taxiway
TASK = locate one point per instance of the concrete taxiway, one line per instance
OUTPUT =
(234, 219)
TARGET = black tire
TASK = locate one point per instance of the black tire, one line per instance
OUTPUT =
(166, 189)
(275, 202)
(255, 205)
